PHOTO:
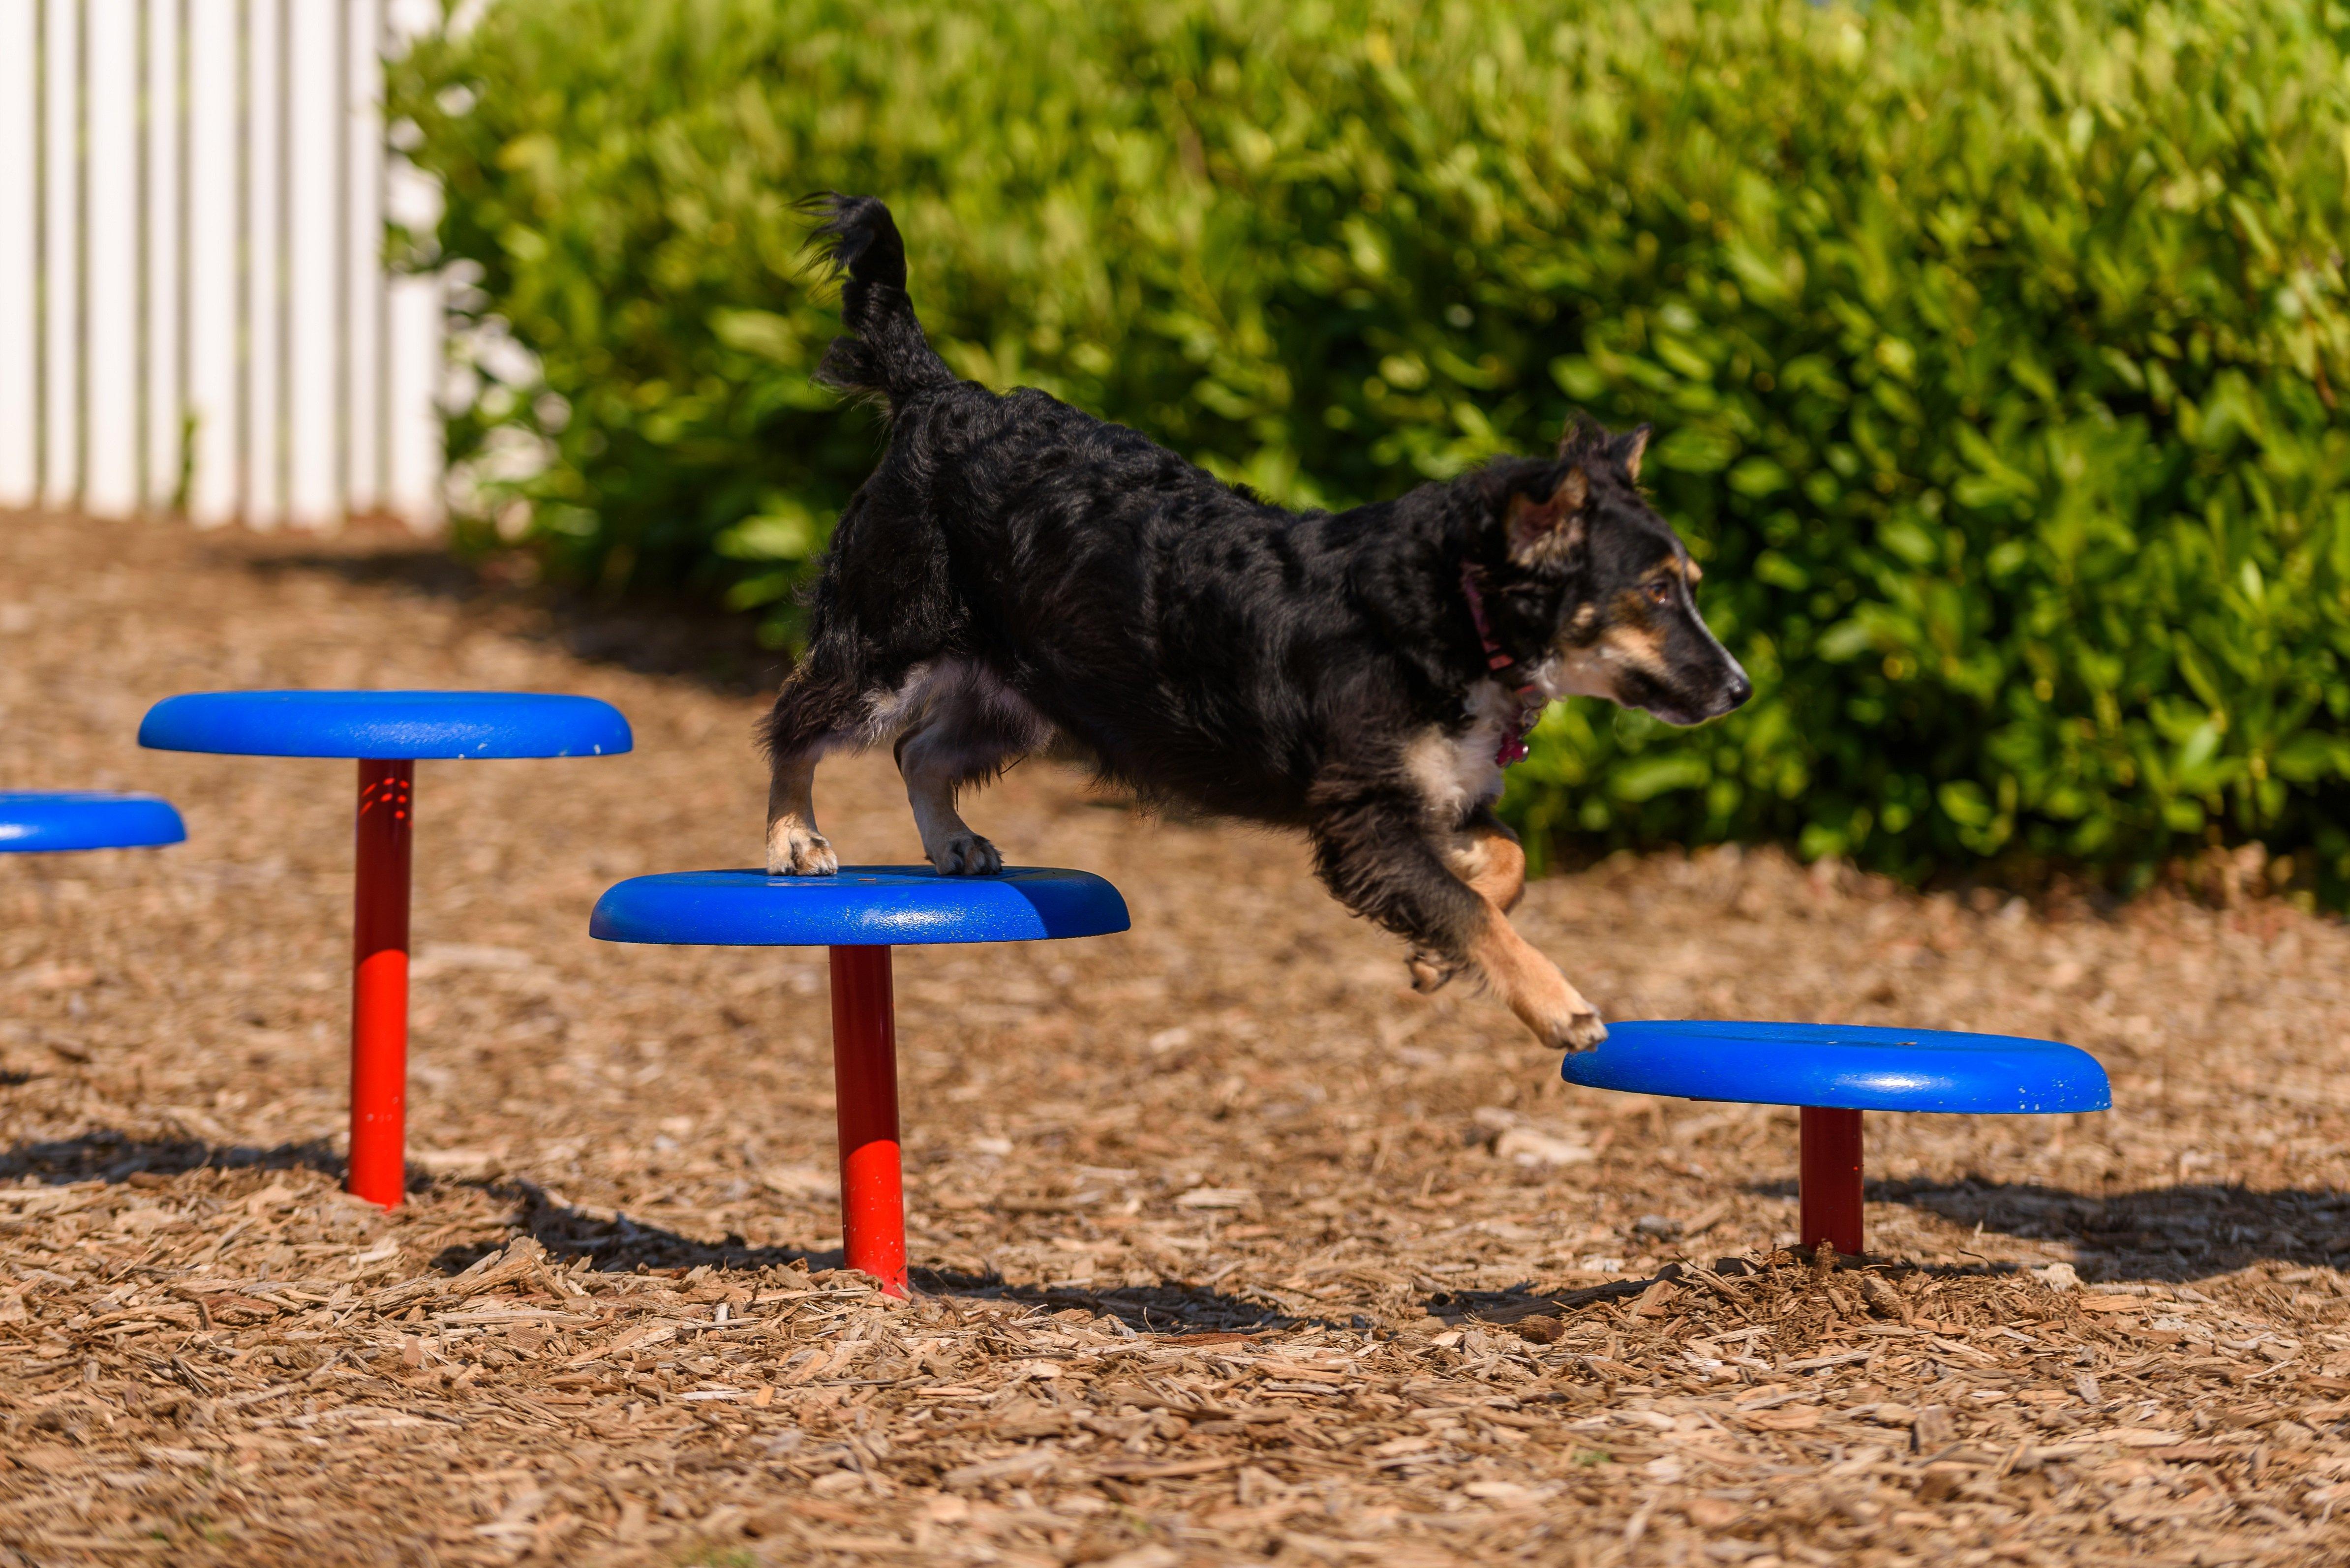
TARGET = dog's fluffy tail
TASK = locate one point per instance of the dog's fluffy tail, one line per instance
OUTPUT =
(888, 357)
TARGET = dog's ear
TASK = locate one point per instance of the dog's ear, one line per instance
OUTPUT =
(1544, 530)
(1629, 448)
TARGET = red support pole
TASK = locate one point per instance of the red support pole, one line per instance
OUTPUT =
(1831, 1179)
(386, 824)
(865, 1084)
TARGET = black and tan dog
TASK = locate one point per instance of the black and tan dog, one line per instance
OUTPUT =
(1017, 573)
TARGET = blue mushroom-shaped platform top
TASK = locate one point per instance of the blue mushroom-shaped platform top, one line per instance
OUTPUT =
(1846, 1066)
(861, 906)
(85, 819)
(456, 726)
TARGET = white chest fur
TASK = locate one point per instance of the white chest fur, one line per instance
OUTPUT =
(1460, 770)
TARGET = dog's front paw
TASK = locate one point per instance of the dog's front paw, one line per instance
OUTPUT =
(1571, 1027)
(1579, 1032)
(1429, 972)
(967, 856)
(800, 853)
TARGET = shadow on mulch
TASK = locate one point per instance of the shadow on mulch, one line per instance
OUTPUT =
(621, 1245)
(1512, 1304)
(2186, 1231)
(676, 637)
(115, 1157)
(1170, 1307)
(1515, 1304)
(2180, 1234)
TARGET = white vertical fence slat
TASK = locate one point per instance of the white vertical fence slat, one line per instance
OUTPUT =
(216, 490)
(363, 301)
(195, 307)
(311, 261)
(109, 343)
(20, 420)
(262, 287)
(59, 354)
(414, 349)
(162, 351)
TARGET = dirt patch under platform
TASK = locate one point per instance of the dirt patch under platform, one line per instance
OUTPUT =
(1234, 1248)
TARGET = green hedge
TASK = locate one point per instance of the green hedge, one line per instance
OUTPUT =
(1994, 348)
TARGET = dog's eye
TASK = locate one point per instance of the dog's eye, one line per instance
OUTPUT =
(1660, 592)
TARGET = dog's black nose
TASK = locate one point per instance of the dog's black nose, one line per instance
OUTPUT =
(1736, 691)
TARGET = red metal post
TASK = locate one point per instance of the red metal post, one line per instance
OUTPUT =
(386, 824)
(1831, 1179)
(865, 1084)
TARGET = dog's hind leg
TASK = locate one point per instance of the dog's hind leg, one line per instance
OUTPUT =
(972, 730)
(934, 776)
(795, 847)
(813, 714)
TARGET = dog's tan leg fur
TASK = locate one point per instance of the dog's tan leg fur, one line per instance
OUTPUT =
(795, 848)
(1533, 988)
(1489, 858)
(1486, 855)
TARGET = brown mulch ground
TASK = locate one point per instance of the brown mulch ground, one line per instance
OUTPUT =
(1234, 1250)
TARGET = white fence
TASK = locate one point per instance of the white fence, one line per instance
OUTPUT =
(193, 305)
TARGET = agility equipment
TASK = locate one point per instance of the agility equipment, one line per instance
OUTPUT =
(1835, 1072)
(860, 914)
(388, 733)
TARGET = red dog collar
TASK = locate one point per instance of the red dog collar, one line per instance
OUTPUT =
(1530, 705)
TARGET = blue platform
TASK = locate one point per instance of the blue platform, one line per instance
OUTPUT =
(389, 725)
(1851, 1067)
(863, 906)
(84, 819)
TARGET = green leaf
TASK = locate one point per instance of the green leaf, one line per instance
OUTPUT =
(1757, 477)
(1646, 777)
(1905, 538)
(1693, 449)
(1963, 801)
